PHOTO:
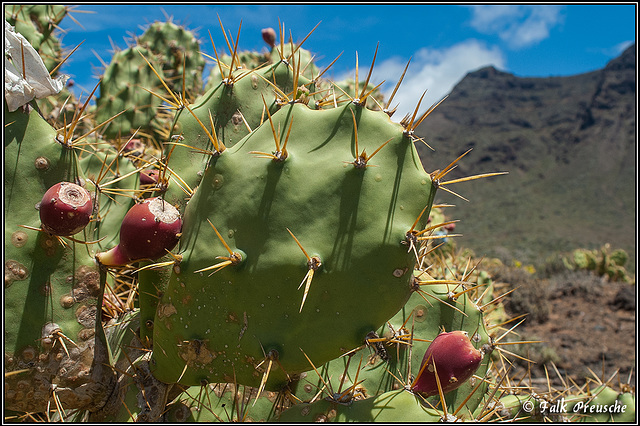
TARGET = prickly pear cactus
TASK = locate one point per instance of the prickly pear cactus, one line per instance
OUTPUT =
(306, 284)
(603, 262)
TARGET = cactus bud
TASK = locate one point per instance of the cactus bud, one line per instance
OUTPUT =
(269, 36)
(65, 209)
(148, 230)
(455, 361)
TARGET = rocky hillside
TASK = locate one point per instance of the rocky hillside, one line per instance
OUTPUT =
(569, 145)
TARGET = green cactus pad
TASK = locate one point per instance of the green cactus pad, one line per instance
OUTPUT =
(122, 88)
(221, 327)
(179, 51)
(53, 291)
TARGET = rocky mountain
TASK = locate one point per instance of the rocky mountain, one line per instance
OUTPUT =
(569, 145)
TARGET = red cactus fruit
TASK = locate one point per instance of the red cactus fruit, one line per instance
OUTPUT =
(455, 361)
(450, 227)
(65, 209)
(147, 231)
(134, 147)
(149, 177)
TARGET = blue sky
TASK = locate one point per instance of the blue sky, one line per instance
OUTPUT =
(445, 42)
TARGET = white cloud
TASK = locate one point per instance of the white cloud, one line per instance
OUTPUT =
(518, 25)
(620, 47)
(434, 70)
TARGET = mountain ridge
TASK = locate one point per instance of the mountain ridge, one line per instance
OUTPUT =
(569, 145)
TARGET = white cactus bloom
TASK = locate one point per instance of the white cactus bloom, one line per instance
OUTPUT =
(25, 81)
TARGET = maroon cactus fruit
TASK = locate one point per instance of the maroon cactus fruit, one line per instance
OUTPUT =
(65, 209)
(269, 36)
(134, 147)
(149, 177)
(455, 361)
(147, 231)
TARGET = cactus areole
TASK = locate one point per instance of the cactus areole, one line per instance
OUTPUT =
(454, 359)
(65, 209)
(148, 231)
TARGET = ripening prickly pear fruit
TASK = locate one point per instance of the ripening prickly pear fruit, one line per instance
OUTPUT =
(455, 361)
(65, 209)
(148, 231)
(149, 177)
